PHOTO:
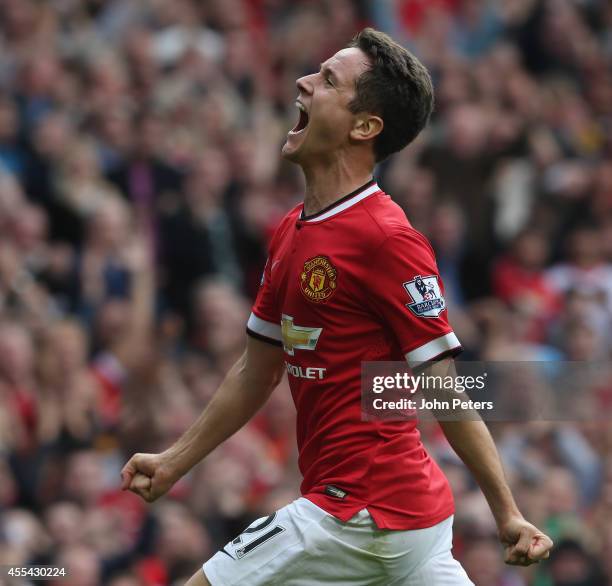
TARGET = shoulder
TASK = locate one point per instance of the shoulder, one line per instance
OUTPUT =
(388, 225)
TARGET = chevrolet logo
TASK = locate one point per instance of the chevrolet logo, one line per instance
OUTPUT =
(298, 337)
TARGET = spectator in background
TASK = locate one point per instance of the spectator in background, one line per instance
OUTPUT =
(80, 185)
(218, 313)
(145, 178)
(37, 86)
(484, 565)
(24, 537)
(82, 565)
(18, 388)
(198, 239)
(447, 230)
(64, 522)
(586, 270)
(100, 269)
(47, 141)
(181, 540)
(519, 280)
(571, 565)
(464, 160)
(70, 395)
(12, 154)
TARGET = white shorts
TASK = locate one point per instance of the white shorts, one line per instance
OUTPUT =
(302, 545)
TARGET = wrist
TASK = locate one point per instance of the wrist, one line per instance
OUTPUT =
(507, 515)
(181, 458)
(176, 461)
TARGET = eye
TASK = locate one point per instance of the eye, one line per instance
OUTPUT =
(328, 82)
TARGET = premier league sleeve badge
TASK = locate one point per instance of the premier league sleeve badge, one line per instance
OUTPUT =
(427, 300)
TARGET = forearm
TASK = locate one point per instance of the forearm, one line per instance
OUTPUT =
(473, 443)
(470, 438)
(238, 398)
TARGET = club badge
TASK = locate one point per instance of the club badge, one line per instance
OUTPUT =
(318, 279)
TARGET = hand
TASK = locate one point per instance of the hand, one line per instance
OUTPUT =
(524, 544)
(137, 255)
(148, 475)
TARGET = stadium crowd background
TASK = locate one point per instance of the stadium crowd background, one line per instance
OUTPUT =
(140, 181)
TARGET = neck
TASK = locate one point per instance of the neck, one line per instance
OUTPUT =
(327, 184)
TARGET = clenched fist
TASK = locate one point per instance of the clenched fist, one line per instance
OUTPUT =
(148, 475)
(524, 544)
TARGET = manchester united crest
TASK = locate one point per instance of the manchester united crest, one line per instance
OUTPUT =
(318, 279)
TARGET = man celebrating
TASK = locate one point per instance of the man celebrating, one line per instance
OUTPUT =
(348, 280)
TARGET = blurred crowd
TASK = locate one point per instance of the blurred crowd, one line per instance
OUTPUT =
(140, 181)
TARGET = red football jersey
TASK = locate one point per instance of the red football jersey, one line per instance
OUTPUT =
(353, 283)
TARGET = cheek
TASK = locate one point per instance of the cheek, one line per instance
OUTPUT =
(334, 123)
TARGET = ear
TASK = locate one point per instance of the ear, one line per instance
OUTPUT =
(366, 127)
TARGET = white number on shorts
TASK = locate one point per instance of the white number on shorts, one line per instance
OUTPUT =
(256, 527)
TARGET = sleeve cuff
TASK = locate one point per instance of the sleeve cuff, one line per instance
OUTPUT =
(435, 349)
(264, 330)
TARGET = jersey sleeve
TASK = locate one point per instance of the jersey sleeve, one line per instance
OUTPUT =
(264, 321)
(406, 291)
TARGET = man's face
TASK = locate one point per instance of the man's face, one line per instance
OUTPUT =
(325, 120)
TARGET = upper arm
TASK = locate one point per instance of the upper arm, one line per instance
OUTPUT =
(450, 411)
(439, 368)
(405, 290)
(263, 360)
(262, 363)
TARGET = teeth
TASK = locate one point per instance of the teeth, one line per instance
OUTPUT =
(300, 106)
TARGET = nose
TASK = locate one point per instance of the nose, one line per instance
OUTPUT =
(304, 85)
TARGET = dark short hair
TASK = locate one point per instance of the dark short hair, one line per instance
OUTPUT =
(396, 87)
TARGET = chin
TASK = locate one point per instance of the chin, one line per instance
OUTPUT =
(290, 154)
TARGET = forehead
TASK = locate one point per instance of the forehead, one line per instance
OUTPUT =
(348, 64)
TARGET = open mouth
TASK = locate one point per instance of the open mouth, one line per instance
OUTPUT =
(302, 121)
